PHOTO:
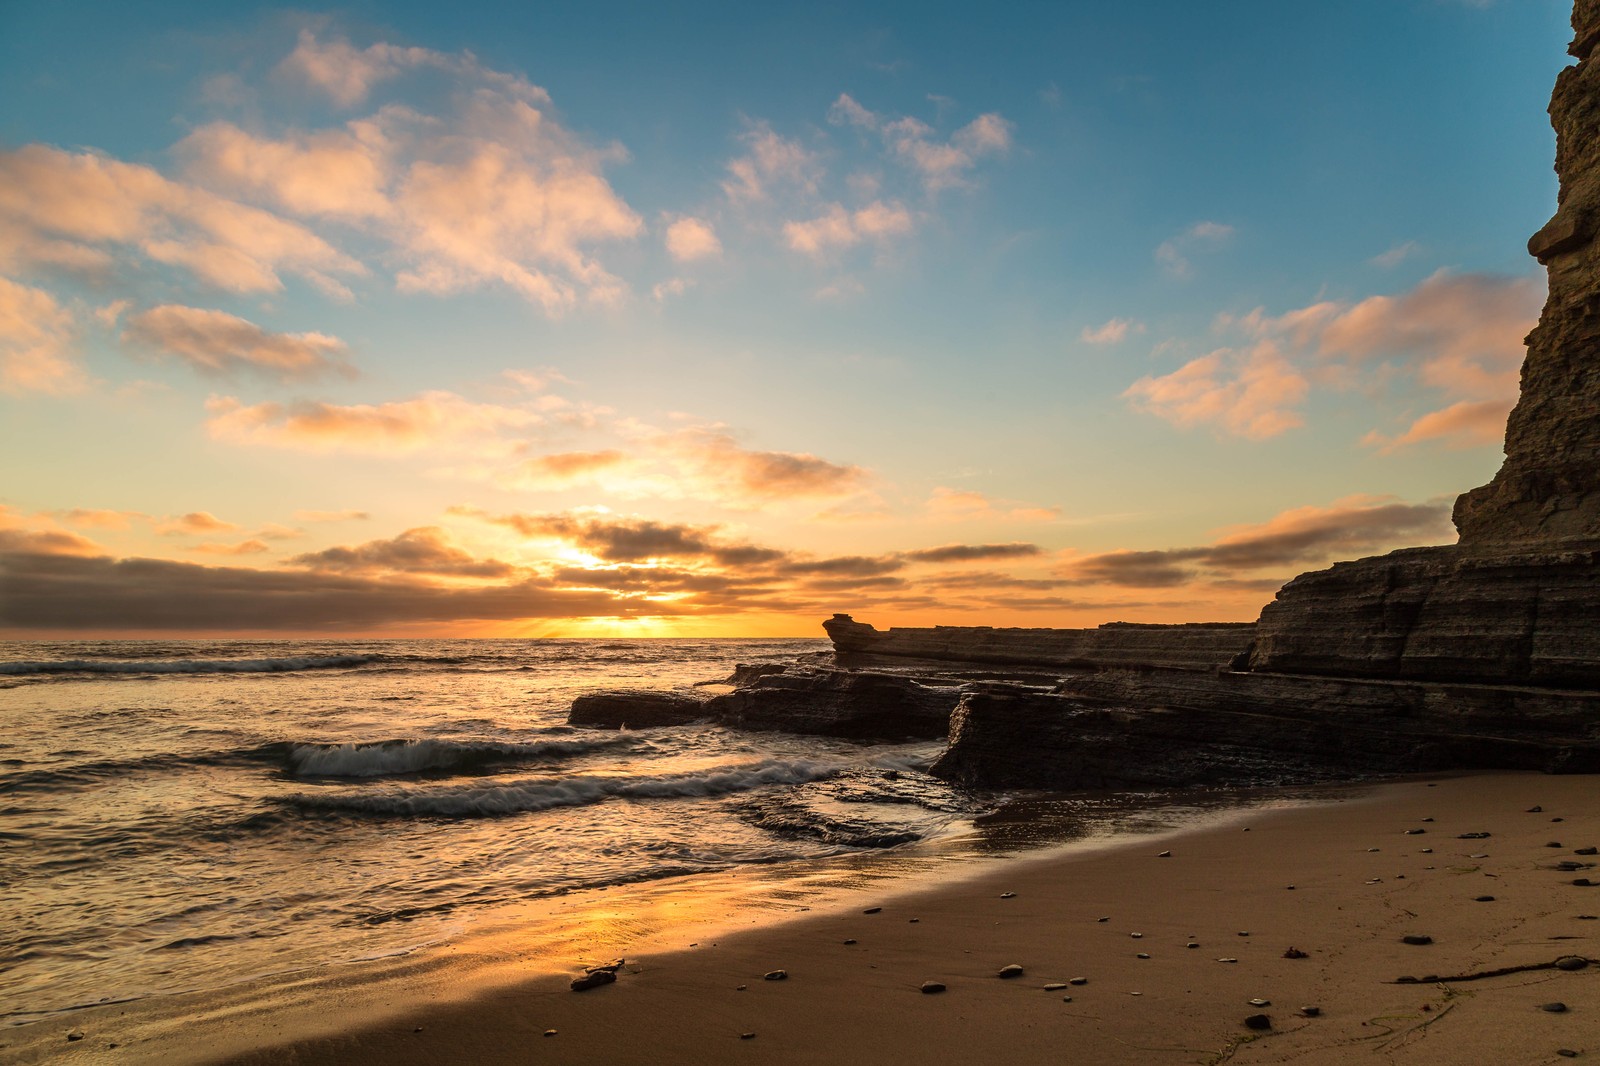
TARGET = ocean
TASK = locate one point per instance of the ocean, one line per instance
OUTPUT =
(184, 815)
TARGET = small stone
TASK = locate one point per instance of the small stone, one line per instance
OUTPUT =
(1105, 919)
(593, 979)
(1427, 819)
(1311, 1012)
(1245, 932)
(1192, 944)
(872, 910)
(1164, 855)
(1479, 855)
(747, 1036)
(1416, 941)
(776, 975)
(1142, 955)
(1586, 851)
(1008, 895)
(1077, 980)
(1066, 999)
(1227, 960)
(1013, 970)
(1582, 882)
(1427, 851)
(1260, 1002)
(913, 921)
(931, 987)
(1289, 887)
(1589, 917)
(1472, 836)
(1370, 850)
(547, 1032)
(1415, 832)
(1571, 962)
(1558, 819)
(1483, 899)
(1259, 1022)
(741, 988)
(1536, 809)
(74, 1034)
(849, 940)
(1554, 844)
(1566, 1053)
(1553, 1008)
(1055, 986)
(1137, 936)
(1295, 953)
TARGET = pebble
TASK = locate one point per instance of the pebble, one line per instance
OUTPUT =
(1010, 971)
(1260, 1002)
(1227, 960)
(1077, 980)
(1571, 962)
(1244, 932)
(1566, 1053)
(1192, 944)
(1427, 819)
(747, 1036)
(1055, 986)
(1479, 855)
(1289, 887)
(1535, 809)
(1553, 1008)
(1295, 953)
(1137, 936)
(1165, 855)
(872, 910)
(1558, 819)
(1416, 941)
(1066, 999)
(1142, 955)
(547, 1032)
(1472, 836)
(913, 921)
(1415, 832)
(1427, 851)
(850, 941)
(1483, 899)
(1371, 850)
(74, 1034)
(1586, 851)
(1008, 895)
(1311, 1012)
(1582, 882)
(1554, 844)
(1258, 1022)
(1105, 919)
(931, 987)
(741, 988)
(776, 975)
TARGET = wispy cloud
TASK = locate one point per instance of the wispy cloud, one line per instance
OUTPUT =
(1112, 331)
(217, 342)
(1174, 253)
(940, 162)
(690, 238)
(38, 338)
(839, 228)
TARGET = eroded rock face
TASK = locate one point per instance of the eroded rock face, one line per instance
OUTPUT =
(1549, 486)
(839, 703)
(637, 709)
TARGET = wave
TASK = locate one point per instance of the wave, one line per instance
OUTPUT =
(394, 757)
(187, 666)
(573, 791)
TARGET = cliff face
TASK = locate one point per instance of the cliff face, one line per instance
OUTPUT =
(1549, 486)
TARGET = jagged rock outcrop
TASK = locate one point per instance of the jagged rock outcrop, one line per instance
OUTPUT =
(638, 709)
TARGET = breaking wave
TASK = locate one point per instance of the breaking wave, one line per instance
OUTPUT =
(187, 666)
(395, 757)
(574, 791)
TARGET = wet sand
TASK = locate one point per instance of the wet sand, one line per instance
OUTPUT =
(1340, 883)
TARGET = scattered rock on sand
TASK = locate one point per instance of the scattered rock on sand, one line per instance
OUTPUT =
(747, 1036)
(1008, 895)
(1554, 844)
(1055, 986)
(1483, 899)
(1013, 970)
(1472, 836)
(1415, 832)
(1416, 941)
(1142, 955)
(593, 979)
(74, 1034)
(1311, 1012)
(850, 940)
(931, 987)
(1571, 962)
(1258, 1022)
(1165, 855)
(1295, 953)
(1586, 851)
(1077, 980)
(872, 910)
(776, 975)
(1553, 1008)
(549, 1032)
(1260, 1002)
(1536, 809)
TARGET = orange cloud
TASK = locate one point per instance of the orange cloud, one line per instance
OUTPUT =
(689, 239)
(218, 342)
(1252, 394)
(37, 338)
(195, 522)
(1173, 254)
(965, 505)
(51, 200)
(771, 161)
(347, 74)
(838, 228)
(567, 468)
(425, 550)
(247, 547)
(431, 420)
(1466, 424)
(939, 163)
(1113, 331)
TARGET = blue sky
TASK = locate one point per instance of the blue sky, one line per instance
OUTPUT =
(936, 316)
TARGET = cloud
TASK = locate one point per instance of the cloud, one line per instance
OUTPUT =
(331, 516)
(57, 591)
(632, 540)
(433, 420)
(1466, 424)
(725, 468)
(1396, 255)
(689, 239)
(37, 343)
(247, 547)
(838, 228)
(1252, 394)
(965, 505)
(770, 162)
(564, 469)
(663, 291)
(1173, 253)
(496, 193)
(217, 342)
(195, 522)
(1113, 331)
(425, 550)
(1288, 541)
(939, 163)
(347, 74)
(22, 536)
(965, 553)
(100, 518)
(61, 208)
(1460, 335)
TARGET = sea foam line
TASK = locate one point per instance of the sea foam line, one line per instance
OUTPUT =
(186, 666)
(414, 756)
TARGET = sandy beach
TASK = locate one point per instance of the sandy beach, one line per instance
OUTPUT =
(1150, 951)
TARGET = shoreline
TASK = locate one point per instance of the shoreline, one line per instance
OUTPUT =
(1348, 910)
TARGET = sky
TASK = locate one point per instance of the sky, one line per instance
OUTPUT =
(410, 319)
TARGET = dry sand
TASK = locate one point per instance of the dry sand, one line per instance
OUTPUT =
(1342, 882)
